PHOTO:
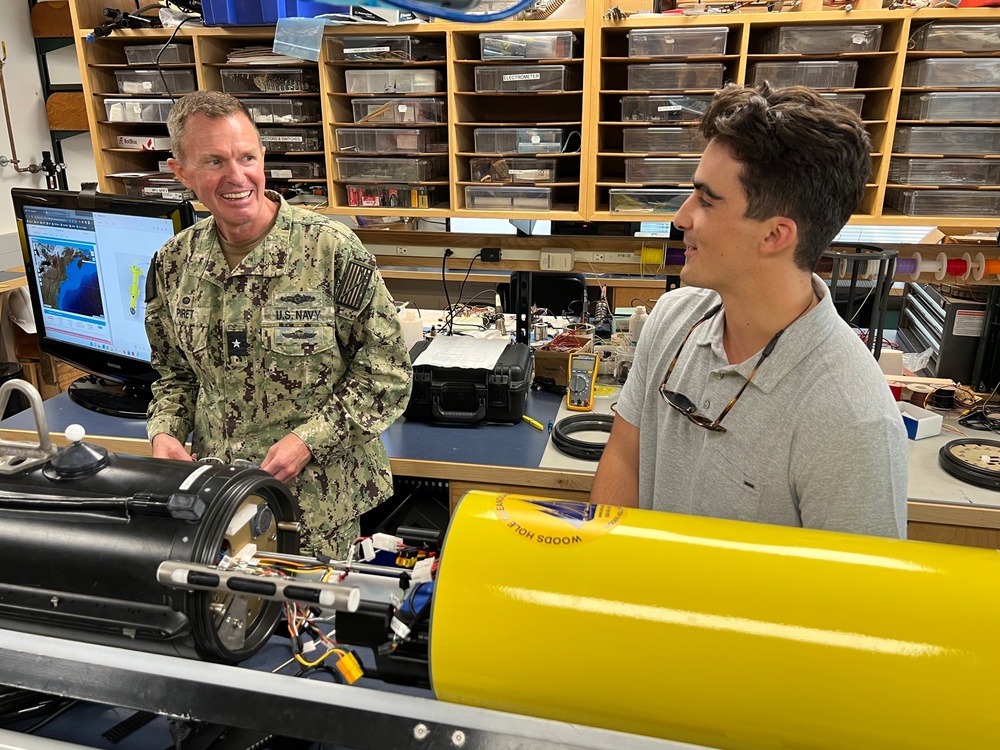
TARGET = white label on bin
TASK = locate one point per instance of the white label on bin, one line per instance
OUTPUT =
(402, 107)
(362, 50)
(536, 139)
(147, 85)
(670, 108)
(281, 174)
(858, 39)
(281, 138)
(521, 77)
(147, 190)
(969, 323)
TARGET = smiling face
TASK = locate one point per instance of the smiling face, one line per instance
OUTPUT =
(720, 242)
(224, 165)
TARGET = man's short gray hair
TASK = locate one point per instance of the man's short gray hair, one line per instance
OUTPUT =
(215, 105)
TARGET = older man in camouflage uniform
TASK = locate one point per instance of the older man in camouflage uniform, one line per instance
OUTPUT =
(273, 332)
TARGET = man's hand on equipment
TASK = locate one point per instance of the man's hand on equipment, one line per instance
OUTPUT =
(286, 458)
(166, 445)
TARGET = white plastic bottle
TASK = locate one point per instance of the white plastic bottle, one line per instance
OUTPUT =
(636, 322)
(413, 327)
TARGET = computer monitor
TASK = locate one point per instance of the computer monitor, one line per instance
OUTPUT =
(86, 256)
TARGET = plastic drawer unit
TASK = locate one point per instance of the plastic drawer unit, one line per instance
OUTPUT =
(678, 42)
(393, 81)
(815, 74)
(163, 185)
(150, 54)
(663, 140)
(390, 140)
(293, 170)
(397, 111)
(966, 72)
(279, 111)
(361, 169)
(156, 81)
(137, 110)
(383, 48)
(269, 81)
(944, 171)
(944, 202)
(664, 108)
(512, 169)
(957, 37)
(945, 139)
(395, 196)
(854, 102)
(518, 140)
(951, 105)
(821, 40)
(671, 76)
(529, 45)
(522, 78)
(660, 170)
(283, 140)
(481, 198)
(646, 200)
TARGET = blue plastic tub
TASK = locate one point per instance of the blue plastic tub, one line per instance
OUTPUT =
(263, 12)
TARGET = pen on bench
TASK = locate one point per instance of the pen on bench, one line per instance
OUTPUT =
(533, 422)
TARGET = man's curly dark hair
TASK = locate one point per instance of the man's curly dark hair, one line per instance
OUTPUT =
(801, 156)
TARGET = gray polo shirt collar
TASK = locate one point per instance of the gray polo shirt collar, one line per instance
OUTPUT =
(798, 340)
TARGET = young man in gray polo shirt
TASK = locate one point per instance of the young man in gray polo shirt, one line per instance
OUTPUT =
(749, 397)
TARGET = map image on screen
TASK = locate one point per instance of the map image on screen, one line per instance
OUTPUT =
(68, 278)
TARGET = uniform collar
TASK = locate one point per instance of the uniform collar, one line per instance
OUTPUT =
(269, 258)
(798, 340)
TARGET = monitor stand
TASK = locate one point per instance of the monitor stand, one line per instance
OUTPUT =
(110, 397)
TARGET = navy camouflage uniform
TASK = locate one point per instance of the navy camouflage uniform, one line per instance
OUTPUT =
(301, 337)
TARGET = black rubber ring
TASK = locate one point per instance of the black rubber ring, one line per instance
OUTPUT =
(583, 449)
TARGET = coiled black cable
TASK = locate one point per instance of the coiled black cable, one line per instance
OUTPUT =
(583, 449)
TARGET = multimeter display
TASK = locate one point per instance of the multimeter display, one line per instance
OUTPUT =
(582, 375)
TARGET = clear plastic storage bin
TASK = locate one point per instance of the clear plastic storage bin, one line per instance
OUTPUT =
(663, 140)
(528, 45)
(383, 48)
(660, 170)
(293, 170)
(821, 40)
(282, 140)
(269, 80)
(815, 74)
(391, 140)
(518, 140)
(944, 202)
(137, 110)
(396, 196)
(398, 111)
(156, 82)
(950, 105)
(146, 54)
(516, 169)
(480, 198)
(394, 81)
(966, 72)
(854, 102)
(704, 40)
(646, 200)
(945, 139)
(418, 169)
(957, 37)
(944, 171)
(162, 185)
(664, 108)
(274, 111)
(670, 76)
(519, 78)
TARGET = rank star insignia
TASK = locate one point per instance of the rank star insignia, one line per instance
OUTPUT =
(236, 343)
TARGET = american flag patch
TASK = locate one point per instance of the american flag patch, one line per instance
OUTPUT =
(354, 284)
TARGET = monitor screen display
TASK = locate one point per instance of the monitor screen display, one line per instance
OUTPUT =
(87, 258)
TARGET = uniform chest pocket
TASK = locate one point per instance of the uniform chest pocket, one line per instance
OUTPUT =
(298, 340)
(193, 336)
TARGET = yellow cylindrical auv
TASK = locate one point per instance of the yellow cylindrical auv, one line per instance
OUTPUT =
(721, 633)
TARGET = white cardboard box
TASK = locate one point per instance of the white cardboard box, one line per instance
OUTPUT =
(920, 423)
(144, 143)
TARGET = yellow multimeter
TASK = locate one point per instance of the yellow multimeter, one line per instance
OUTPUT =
(582, 377)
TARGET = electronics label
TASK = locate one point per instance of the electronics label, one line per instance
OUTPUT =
(557, 523)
